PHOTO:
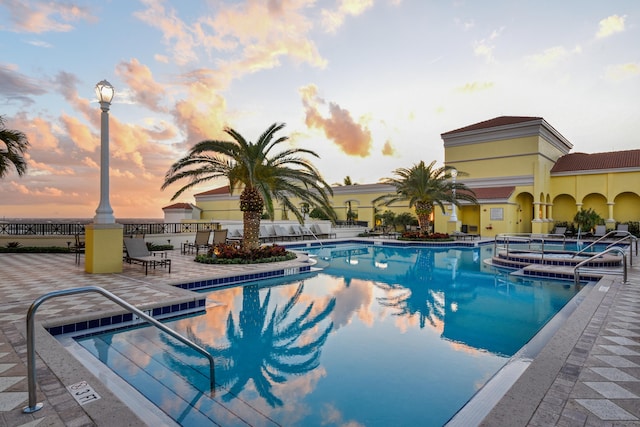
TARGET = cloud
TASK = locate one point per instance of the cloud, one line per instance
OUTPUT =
(332, 20)
(623, 71)
(39, 132)
(140, 80)
(484, 48)
(80, 133)
(31, 16)
(17, 86)
(388, 149)
(352, 138)
(475, 87)
(40, 43)
(175, 33)
(610, 25)
(548, 57)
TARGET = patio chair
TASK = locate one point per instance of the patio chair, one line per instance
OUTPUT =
(220, 237)
(600, 231)
(560, 230)
(624, 228)
(138, 253)
(201, 241)
(78, 248)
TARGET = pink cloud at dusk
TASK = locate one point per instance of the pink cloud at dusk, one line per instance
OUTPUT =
(31, 16)
(353, 138)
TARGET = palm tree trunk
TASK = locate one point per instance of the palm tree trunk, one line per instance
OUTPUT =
(251, 225)
(423, 210)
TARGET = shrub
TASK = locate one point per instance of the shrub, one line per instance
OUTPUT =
(417, 235)
(231, 254)
(34, 250)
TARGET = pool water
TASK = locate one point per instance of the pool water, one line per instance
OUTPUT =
(383, 336)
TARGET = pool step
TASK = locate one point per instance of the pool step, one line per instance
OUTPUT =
(145, 363)
(565, 273)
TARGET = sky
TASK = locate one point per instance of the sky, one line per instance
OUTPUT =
(369, 85)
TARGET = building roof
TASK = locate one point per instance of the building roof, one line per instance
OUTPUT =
(492, 193)
(597, 161)
(495, 122)
(179, 206)
(215, 191)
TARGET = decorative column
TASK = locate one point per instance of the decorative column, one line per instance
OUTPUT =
(453, 225)
(103, 247)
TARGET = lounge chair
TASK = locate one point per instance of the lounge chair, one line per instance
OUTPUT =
(201, 242)
(560, 230)
(282, 234)
(220, 237)
(137, 252)
(600, 231)
(624, 230)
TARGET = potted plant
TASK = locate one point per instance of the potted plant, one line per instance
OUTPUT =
(587, 220)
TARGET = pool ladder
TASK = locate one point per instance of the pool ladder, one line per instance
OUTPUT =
(31, 360)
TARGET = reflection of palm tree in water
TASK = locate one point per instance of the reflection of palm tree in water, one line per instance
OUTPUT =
(265, 346)
(416, 296)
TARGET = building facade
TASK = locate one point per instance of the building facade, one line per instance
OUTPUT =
(522, 173)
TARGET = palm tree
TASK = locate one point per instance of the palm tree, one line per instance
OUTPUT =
(265, 176)
(15, 145)
(424, 187)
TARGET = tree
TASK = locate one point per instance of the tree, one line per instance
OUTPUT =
(424, 187)
(265, 176)
(15, 146)
(587, 219)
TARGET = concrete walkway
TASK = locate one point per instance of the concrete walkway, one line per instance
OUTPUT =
(587, 375)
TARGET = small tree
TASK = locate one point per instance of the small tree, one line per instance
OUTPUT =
(405, 219)
(388, 219)
(587, 219)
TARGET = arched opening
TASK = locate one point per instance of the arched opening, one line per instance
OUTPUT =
(525, 212)
(627, 207)
(564, 208)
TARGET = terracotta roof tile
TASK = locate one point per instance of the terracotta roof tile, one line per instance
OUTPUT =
(495, 122)
(215, 191)
(486, 193)
(595, 161)
(179, 206)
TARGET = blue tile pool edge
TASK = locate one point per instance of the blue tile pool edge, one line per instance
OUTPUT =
(118, 321)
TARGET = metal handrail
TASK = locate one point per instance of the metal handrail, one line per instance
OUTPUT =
(526, 238)
(312, 233)
(31, 360)
(576, 272)
(627, 236)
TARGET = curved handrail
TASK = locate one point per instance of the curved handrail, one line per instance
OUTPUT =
(31, 360)
(627, 236)
(527, 238)
(576, 273)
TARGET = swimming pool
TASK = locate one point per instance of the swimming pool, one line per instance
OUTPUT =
(382, 336)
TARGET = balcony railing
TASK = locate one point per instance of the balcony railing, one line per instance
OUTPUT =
(48, 229)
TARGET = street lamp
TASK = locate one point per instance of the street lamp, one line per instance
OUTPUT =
(104, 213)
(454, 174)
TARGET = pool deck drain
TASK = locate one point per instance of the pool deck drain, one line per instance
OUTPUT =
(587, 375)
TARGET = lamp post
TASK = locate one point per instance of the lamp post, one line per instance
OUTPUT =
(454, 215)
(104, 213)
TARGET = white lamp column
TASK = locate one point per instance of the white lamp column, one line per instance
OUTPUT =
(453, 225)
(104, 213)
(454, 215)
(103, 253)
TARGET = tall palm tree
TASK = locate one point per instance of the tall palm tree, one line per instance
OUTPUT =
(424, 187)
(266, 176)
(15, 145)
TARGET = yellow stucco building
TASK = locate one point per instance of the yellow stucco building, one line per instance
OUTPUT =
(523, 175)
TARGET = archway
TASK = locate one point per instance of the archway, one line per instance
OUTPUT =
(525, 213)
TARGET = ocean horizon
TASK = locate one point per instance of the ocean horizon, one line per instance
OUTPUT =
(50, 220)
